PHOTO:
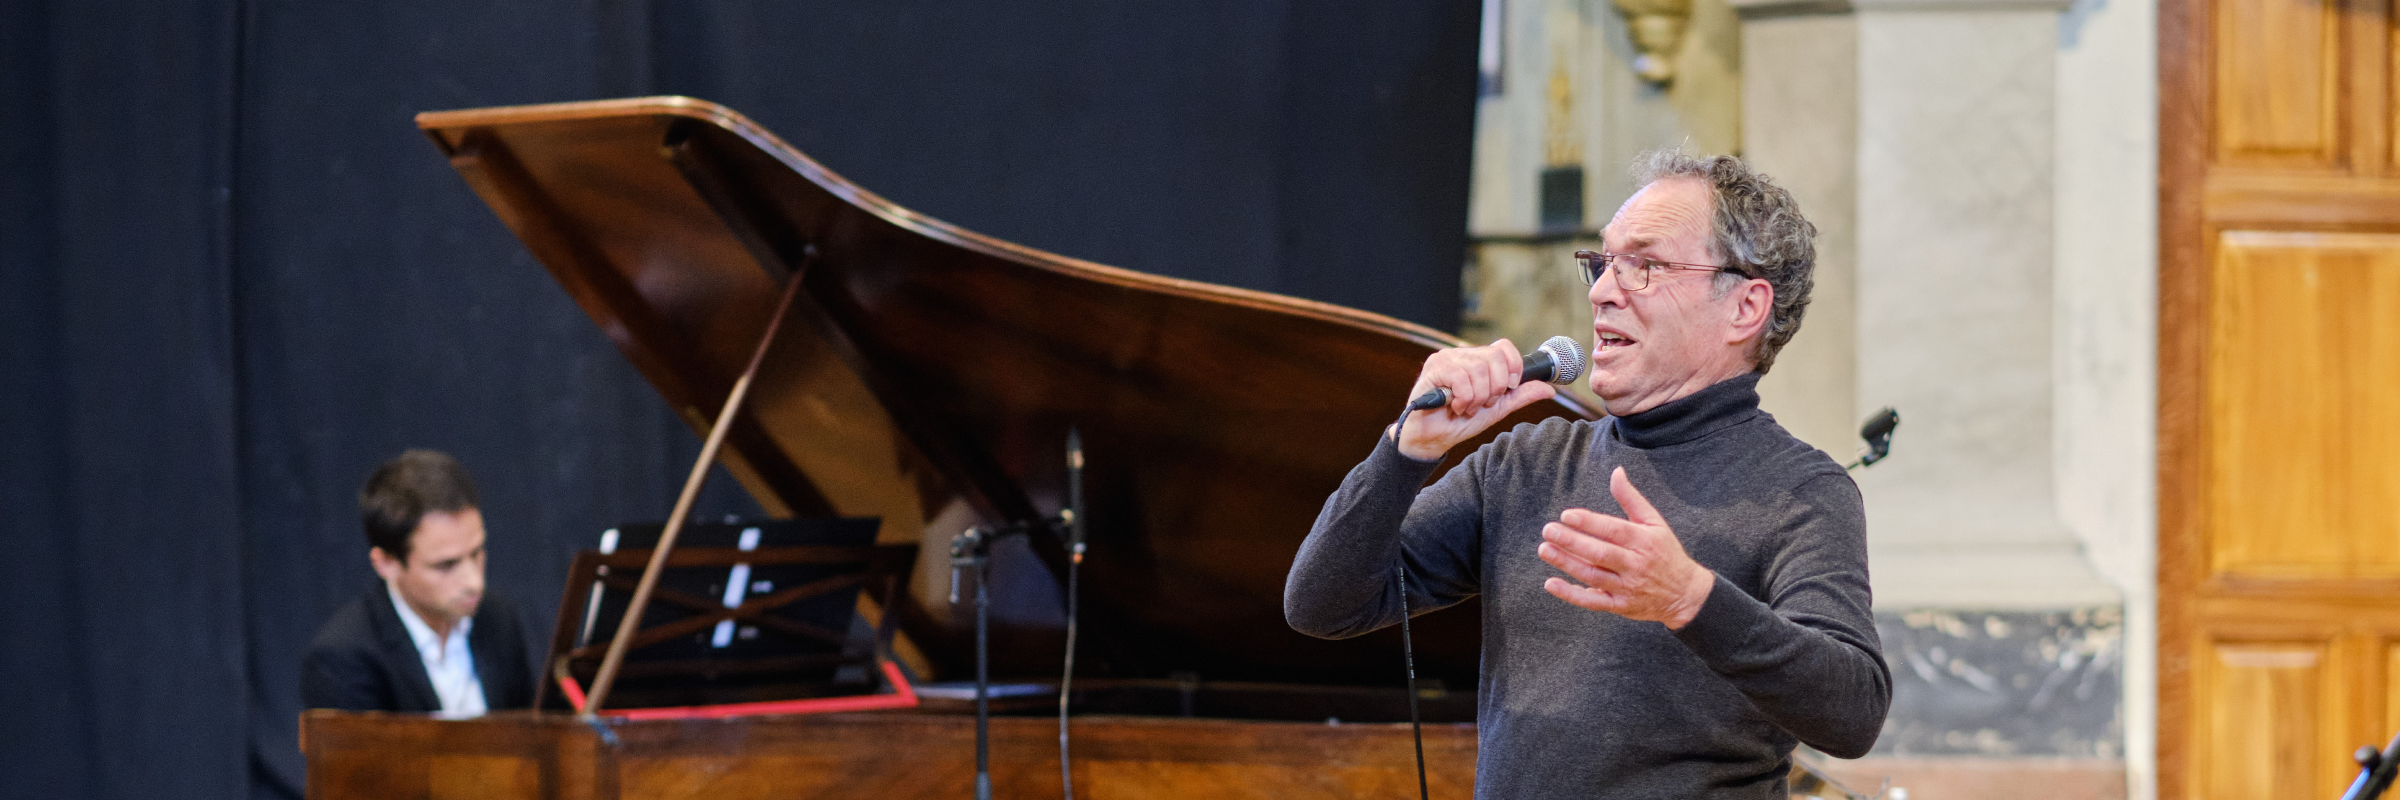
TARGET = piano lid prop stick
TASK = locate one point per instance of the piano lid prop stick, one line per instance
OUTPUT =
(617, 646)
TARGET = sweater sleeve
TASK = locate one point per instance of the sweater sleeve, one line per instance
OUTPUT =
(1341, 584)
(1805, 653)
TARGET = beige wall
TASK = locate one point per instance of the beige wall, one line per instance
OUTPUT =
(2107, 256)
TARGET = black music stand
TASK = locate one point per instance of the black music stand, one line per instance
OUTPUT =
(744, 613)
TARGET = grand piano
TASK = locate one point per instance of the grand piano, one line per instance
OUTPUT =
(927, 377)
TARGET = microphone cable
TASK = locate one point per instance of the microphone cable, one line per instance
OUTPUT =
(1565, 362)
(1408, 656)
(1408, 649)
(1074, 515)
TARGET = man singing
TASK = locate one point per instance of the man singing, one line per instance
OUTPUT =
(1672, 596)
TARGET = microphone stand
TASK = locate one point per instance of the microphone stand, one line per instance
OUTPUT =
(974, 549)
(2375, 771)
(1072, 517)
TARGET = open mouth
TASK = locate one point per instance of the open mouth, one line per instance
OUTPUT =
(1608, 340)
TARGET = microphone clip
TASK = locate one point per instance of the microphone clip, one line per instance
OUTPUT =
(973, 548)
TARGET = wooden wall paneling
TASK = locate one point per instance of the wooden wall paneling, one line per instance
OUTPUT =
(2259, 515)
(2184, 151)
(2319, 201)
(2278, 82)
(2262, 701)
(2279, 511)
(2304, 357)
(2354, 708)
(2366, 78)
(2389, 722)
(2380, 14)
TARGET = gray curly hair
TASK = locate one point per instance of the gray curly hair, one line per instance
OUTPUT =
(1757, 229)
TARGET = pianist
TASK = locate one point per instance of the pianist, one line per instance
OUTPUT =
(424, 637)
(1673, 596)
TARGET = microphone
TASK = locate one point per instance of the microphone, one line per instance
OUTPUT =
(1878, 433)
(1559, 361)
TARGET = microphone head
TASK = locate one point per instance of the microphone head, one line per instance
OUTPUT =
(1566, 356)
(1878, 433)
(1880, 426)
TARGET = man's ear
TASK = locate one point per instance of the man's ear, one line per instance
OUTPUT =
(385, 565)
(1752, 304)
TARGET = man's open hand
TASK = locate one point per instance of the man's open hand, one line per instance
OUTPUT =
(1633, 567)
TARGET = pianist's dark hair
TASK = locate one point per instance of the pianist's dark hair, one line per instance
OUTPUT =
(404, 490)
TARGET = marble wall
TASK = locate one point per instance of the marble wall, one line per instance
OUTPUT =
(1806, 109)
(2106, 311)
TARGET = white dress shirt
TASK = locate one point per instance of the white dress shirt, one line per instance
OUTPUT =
(449, 663)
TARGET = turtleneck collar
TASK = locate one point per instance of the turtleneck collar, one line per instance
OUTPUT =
(1691, 416)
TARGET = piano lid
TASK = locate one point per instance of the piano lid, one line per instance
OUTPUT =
(939, 370)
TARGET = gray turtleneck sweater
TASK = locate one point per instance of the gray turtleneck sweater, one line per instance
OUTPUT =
(1577, 703)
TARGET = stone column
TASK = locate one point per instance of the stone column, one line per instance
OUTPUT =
(1800, 127)
(1919, 135)
(1955, 198)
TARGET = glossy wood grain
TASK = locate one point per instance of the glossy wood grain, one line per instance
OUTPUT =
(2278, 528)
(2303, 418)
(897, 756)
(2278, 70)
(2387, 685)
(2264, 702)
(939, 370)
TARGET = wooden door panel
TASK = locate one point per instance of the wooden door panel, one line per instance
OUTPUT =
(2382, 734)
(2278, 79)
(2263, 702)
(2279, 393)
(2303, 414)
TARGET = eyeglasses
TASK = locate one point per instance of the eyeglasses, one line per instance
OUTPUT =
(1633, 272)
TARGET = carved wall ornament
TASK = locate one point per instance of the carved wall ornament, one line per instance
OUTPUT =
(1657, 28)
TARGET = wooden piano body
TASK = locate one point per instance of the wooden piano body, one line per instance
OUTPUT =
(889, 756)
(928, 377)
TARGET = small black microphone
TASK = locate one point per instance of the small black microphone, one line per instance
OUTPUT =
(1559, 361)
(1878, 433)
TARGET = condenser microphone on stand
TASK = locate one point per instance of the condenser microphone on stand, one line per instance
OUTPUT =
(1073, 520)
(1877, 432)
(1559, 360)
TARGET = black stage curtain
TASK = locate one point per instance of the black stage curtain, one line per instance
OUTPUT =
(233, 278)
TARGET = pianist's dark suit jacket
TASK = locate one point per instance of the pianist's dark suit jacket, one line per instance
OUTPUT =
(363, 660)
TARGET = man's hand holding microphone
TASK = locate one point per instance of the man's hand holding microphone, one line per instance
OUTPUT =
(1464, 390)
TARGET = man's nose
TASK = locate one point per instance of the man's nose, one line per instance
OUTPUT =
(1605, 291)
